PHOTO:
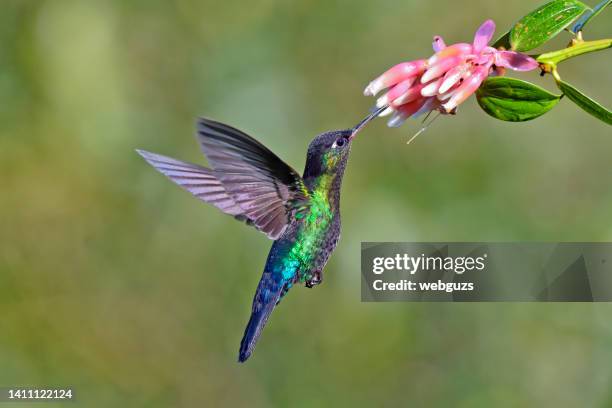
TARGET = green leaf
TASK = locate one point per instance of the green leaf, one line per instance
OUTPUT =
(586, 103)
(514, 100)
(544, 23)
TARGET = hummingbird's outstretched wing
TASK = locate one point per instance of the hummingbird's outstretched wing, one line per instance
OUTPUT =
(198, 180)
(248, 181)
(268, 191)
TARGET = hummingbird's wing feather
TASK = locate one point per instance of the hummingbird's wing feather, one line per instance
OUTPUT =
(268, 190)
(198, 180)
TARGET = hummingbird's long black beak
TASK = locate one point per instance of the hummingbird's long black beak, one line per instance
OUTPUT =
(365, 121)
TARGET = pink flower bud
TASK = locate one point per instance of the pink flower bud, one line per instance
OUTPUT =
(395, 92)
(453, 76)
(440, 67)
(397, 120)
(405, 111)
(448, 94)
(413, 93)
(394, 75)
(431, 89)
(413, 107)
(438, 44)
(467, 88)
(430, 104)
(451, 51)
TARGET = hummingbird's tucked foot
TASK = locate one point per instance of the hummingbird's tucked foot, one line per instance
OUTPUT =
(316, 279)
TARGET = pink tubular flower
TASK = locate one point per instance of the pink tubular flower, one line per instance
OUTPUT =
(446, 79)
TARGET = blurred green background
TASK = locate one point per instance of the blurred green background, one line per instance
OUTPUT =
(119, 284)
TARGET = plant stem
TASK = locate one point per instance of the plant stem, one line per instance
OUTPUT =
(579, 48)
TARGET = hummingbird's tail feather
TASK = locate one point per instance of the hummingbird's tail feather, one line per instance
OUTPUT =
(269, 291)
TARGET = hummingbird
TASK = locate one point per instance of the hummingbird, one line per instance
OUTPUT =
(301, 214)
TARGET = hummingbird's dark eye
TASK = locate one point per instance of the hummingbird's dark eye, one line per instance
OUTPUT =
(339, 142)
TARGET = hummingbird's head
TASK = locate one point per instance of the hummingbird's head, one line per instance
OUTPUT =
(329, 152)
